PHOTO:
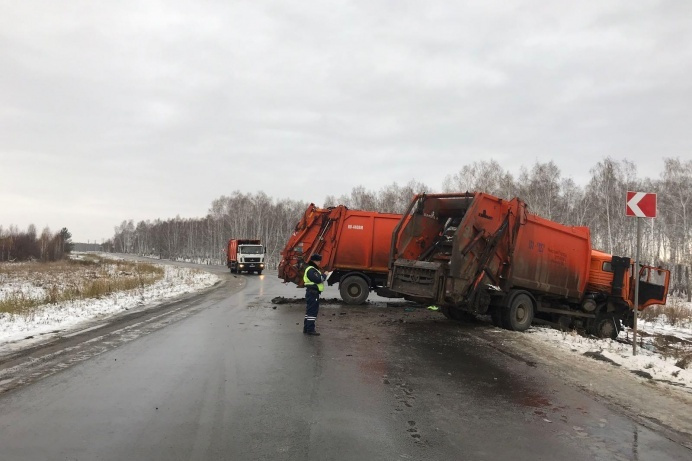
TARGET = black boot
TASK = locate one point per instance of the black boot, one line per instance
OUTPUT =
(312, 333)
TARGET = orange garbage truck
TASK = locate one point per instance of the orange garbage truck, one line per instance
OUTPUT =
(245, 255)
(473, 253)
(354, 245)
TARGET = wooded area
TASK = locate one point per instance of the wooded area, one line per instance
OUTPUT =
(599, 205)
(16, 245)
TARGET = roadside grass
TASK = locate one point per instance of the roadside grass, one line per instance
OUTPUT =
(25, 286)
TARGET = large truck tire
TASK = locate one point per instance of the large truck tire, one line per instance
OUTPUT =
(259, 272)
(605, 327)
(354, 289)
(517, 315)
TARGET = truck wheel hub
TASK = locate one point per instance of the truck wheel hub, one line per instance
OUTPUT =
(521, 313)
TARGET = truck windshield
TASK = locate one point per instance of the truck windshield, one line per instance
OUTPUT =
(251, 249)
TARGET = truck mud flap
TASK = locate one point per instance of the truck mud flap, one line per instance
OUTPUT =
(417, 278)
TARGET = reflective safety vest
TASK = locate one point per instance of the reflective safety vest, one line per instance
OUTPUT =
(307, 282)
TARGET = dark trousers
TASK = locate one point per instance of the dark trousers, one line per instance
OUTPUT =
(312, 300)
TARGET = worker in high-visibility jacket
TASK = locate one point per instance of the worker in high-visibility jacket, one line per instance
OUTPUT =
(313, 278)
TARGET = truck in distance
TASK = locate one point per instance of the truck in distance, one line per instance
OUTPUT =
(473, 253)
(245, 255)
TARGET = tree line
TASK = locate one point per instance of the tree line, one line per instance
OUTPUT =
(205, 239)
(600, 205)
(16, 245)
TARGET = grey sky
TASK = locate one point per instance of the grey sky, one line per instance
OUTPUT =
(142, 110)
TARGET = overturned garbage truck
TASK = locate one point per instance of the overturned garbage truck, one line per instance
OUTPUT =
(354, 245)
(473, 253)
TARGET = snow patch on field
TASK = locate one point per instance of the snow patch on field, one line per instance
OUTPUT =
(662, 327)
(18, 331)
(649, 363)
(23, 289)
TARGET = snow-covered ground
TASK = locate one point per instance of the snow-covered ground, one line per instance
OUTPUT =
(662, 327)
(20, 331)
(664, 352)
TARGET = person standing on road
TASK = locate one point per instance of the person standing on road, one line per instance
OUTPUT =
(313, 279)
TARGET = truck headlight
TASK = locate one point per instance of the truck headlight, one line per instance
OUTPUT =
(241, 265)
(261, 265)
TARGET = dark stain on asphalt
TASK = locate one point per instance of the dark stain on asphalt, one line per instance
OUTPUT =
(597, 355)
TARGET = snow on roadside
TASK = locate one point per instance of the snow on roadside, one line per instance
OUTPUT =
(646, 363)
(18, 331)
(662, 327)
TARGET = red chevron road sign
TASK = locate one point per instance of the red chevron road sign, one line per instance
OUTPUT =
(641, 204)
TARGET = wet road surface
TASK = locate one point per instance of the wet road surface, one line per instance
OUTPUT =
(238, 380)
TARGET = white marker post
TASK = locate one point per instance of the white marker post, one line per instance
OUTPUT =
(636, 286)
(640, 205)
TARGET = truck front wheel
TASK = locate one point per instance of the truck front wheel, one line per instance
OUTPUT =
(605, 327)
(354, 290)
(518, 315)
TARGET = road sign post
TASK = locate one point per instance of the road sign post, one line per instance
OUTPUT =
(640, 205)
(636, 287)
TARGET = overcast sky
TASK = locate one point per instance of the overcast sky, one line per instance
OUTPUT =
(113, 110)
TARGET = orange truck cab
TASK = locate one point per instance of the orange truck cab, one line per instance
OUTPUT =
(613, 275)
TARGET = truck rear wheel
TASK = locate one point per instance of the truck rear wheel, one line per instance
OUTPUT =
(354, 290)
(518, 315)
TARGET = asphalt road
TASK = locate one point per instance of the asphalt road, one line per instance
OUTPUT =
(229, 375)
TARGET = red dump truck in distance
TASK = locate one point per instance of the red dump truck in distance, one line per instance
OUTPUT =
(245, 255)
(474, 253)
(354, 245)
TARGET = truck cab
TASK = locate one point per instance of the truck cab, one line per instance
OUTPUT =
(246, 255)
(613, 275)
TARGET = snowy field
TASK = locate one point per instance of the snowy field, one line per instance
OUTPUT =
(18, 331)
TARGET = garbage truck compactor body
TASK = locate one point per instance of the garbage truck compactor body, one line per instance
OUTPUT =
(354, 245)
(479, 254)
